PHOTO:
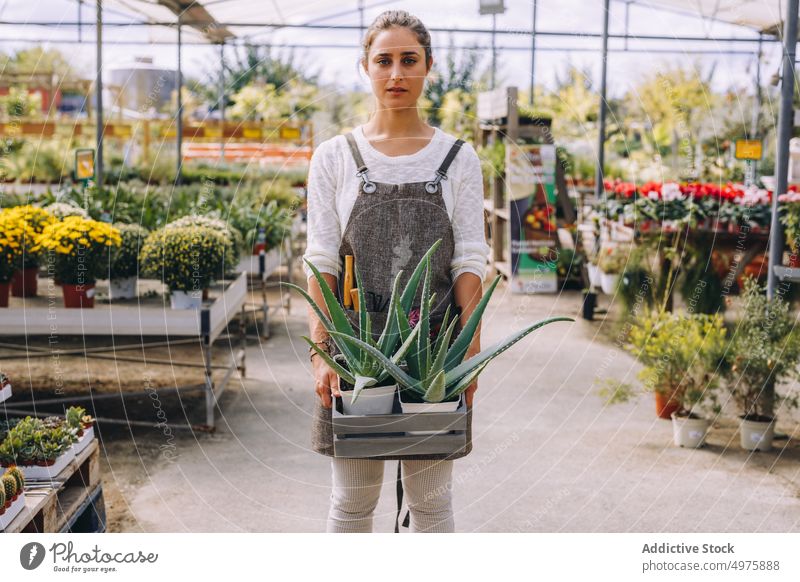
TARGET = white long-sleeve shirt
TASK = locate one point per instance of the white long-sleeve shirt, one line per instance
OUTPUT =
(333, 187)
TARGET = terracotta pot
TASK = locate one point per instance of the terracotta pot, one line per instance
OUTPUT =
(24, 282)
(665, 406)
(4, 288)
(78, 295)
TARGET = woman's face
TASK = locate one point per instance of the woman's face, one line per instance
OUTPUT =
(396, 67)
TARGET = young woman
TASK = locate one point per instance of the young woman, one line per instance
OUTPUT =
(385, 193)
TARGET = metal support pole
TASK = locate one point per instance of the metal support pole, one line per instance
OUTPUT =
(222, 101)
(533, 52)
(599, 190)
(179, 120)
(757, 104)
(785, 122)
(80, 20)
(98, 164)
(494, 51)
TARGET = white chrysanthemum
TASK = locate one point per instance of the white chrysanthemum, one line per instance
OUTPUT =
(63, 209)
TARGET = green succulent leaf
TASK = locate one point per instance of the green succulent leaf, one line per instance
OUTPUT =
(463, 340)
(436, 388)
(457, 373)
(410, 290)
(466, 381)
(361, 383)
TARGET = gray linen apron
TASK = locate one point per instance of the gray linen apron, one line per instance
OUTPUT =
(391, 226)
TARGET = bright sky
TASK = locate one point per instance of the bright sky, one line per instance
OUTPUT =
(338, 65)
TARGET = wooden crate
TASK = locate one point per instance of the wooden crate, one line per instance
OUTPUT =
(50, 510)
(383, 435)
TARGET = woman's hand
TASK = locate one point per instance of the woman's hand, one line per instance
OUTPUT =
(326, 381)
(470, 391)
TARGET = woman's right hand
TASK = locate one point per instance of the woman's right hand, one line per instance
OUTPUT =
(326, 381)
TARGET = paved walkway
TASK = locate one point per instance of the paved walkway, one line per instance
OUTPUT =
(547, 457)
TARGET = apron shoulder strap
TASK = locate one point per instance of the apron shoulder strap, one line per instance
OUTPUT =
(351, 141)
(442, 171)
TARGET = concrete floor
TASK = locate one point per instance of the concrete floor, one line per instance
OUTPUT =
(547, 457)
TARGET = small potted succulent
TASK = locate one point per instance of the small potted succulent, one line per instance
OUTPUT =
(359, 371)
(30, 221)
(187, 259)
(611, 262)
(83, 425)
(761, 356)
(80, 249)
(42, 449)
(124, 265)
(12, 495)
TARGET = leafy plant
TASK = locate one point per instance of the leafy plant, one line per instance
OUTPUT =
(363, 369)
(125, 257)
(762, 353)
(612, 259)
(31, 442)
(679, 354)
(437, 372)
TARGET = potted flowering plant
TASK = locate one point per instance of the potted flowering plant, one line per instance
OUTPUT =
(761, 355)
(790, 218)
(80, 250)
(5, 387)
(187, 259)
(124, 266)
(611, 262)
(31, 222)
(11, 247)
(214, 222)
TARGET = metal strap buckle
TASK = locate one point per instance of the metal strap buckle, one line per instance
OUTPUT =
(369, 187)
(432, 186)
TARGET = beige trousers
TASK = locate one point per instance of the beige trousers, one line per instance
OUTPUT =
(357, 483)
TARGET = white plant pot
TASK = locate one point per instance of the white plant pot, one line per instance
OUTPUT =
(756, 436)
(689, 432)
(83, 442)
(186, 300)
(51, 471)
(12, 511)
(372, 400)
(5, 392)
(122, 288)
(594, 275)
(422, 407)
(608, 282)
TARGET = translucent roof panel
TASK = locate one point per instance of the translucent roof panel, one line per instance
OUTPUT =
(761, 15)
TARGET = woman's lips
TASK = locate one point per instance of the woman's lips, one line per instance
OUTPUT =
(396, 91)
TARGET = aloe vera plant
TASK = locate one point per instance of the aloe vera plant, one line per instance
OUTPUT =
(364, 369)
(437, 372)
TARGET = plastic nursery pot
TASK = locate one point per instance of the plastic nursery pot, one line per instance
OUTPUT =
(371, 400)
(689, 430)
(594, 275)
(608, 282)
(588, 306)
(413, 405)
(122, 288)
(185, 299)
(4, 290)
(24, 282)
(77, 296)
(665, 406)
(756, 433)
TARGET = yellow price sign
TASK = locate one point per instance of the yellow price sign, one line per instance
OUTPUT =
(749, 149)
(290, 133)
(84, 164)
(121, 131)
(251, 132)
(212, 131)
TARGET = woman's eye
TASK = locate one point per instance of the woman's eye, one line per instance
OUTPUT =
(410, 61)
